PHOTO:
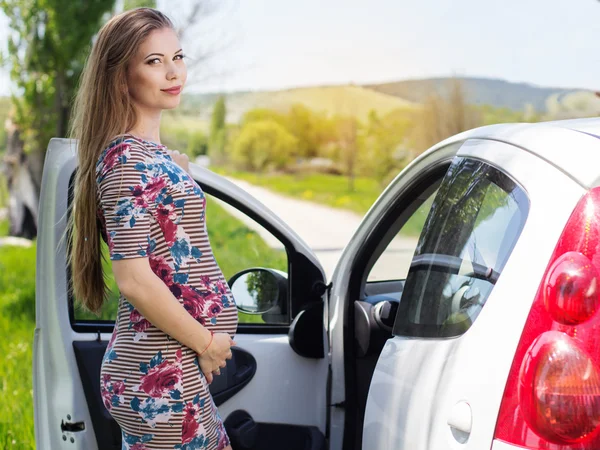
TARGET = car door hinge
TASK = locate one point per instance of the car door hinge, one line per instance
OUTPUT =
(341, 404)
(321, 288)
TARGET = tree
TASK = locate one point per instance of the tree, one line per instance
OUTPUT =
(197, 144)
(258, 114)
(263, 145)
(347, 131)
(46, 50)
(304, 125)
(263, 288)
(131, 4)
(218, 135)
(385, 147)
(48, 44)
(443, 116)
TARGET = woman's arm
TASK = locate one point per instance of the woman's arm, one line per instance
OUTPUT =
(153, 299)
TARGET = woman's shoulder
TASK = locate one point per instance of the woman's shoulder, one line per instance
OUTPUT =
(127, 141)
(122, 150)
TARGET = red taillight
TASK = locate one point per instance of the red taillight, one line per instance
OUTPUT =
(559, 389)
(571, 289)
(552, 396)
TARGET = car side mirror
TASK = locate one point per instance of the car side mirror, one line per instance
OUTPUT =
(260, 291)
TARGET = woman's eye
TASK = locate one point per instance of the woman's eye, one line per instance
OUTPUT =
(181, 56)
(152, 60)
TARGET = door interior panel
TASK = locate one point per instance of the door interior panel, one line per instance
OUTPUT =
(287, 388)
(373, 321)
(238, 373)
(246, 434)
(373, 318)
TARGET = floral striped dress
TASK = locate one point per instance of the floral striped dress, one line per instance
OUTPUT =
(150, 383)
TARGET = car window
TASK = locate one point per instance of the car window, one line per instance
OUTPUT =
(238, 242)
(473, 224)
(394, 262)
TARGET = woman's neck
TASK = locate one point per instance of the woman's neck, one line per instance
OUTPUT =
(147, 126)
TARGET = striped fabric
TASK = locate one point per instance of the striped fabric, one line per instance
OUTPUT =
(150, 383)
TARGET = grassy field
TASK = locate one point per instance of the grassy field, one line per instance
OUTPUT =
(17, 322)
(330, 190)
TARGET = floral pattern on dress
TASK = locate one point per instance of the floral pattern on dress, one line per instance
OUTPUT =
(112, 392)
(193, 434)
(132, 442)
(110, 354)
(152, 410)
(150, 207)
(161, 377)
(138, 323)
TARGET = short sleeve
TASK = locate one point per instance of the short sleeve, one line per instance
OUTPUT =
(126, 200)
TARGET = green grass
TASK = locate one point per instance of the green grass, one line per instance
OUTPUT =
(236, 247)
(17, 323)
(330, 190)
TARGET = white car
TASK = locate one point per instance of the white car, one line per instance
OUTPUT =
(483, 333)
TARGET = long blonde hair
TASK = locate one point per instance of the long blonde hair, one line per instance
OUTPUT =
(102, 110)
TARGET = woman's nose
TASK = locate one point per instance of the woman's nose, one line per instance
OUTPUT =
(174, 72)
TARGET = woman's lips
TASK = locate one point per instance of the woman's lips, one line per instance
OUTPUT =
(172, 91)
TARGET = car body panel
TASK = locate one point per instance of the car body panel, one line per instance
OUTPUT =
(339, 301)
(419, 384)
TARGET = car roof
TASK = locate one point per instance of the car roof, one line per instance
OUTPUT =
(573, 146)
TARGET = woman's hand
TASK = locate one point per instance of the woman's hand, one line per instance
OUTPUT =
(215, 356)
(181, 159)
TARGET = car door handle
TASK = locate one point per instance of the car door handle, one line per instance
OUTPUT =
(461, 417)
(242, 373)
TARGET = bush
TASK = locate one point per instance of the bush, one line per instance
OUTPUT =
(197, 144)
(263, 145)
(184, 134)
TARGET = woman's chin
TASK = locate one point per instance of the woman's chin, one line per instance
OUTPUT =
(171, 104)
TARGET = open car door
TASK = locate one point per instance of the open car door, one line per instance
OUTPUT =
(273, 393)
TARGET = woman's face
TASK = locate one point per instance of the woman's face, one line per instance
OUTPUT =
(157, 67)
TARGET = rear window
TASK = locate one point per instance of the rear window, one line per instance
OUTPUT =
(473, 225)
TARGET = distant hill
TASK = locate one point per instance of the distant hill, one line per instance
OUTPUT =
(384, 97)
(350, 100)
(489, 91)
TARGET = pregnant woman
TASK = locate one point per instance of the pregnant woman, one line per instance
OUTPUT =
(177, 317)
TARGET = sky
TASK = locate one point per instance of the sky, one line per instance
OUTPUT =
(275, 44)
